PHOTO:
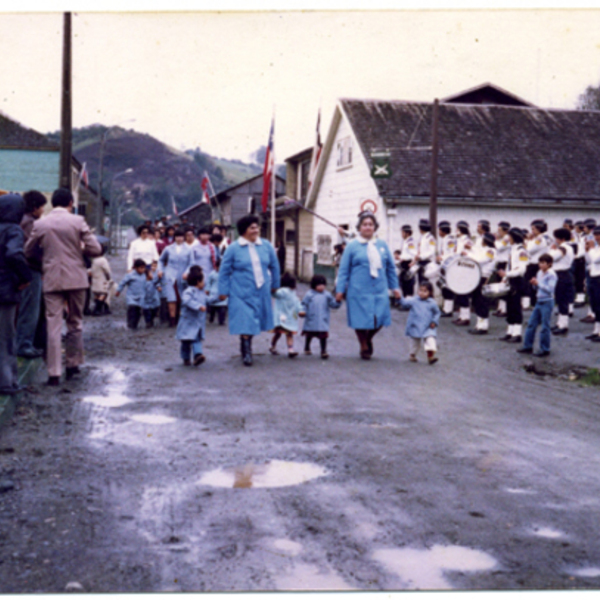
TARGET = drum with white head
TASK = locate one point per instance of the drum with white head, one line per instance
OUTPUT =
(460, 274)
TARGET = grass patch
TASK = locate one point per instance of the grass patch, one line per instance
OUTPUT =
(591, 378)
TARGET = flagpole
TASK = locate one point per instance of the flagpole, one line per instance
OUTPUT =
(215, 197)
(273, 181)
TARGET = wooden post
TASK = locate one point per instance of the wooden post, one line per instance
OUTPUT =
(435, 143)
(297, 243)
(66, 114)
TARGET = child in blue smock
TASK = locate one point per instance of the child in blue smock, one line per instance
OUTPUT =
(317, 304)
(422, 323)
(286, 311)
(135, 282)
(192, 320)
(217, 307)
(152, 295)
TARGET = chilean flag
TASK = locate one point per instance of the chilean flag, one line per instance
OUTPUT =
(84, 176)
(268, 169)
(316, 153)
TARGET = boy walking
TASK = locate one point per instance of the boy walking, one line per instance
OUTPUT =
(545, 282)
(135, 282)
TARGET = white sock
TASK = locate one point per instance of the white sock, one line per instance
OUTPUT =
(465, 313)
(571, 307)
(448, 306)
(517, 330)
(502, 305)
(560, 322)
(483, 324)
(525, 301)
(580, 298)
(509, 331)
(590, 312)
(597, 328)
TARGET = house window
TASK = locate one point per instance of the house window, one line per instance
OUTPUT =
(304, 173)
(344, 153)
(290, 237)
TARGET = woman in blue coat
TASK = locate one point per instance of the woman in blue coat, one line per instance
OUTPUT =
(172, 264)
(249, 274)
(367, 272)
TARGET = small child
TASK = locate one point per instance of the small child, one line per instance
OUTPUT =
(218, 307)
(135, 282)
(192, 320)
(151, 295)
(285, 314)
(101, 284)
(545, 281)
(423, 320)
(317, 304)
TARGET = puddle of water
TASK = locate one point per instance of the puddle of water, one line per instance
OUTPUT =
(587, 572)
(153, 419)
(547, 532)
(424, 569)
(288, 546)
(277, 473)
(309, 577)
(112, 401)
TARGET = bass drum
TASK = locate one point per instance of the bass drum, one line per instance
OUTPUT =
(460, 274)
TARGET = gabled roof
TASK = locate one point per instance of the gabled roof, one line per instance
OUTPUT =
(486, 151)
(15, 136)
(487, 93)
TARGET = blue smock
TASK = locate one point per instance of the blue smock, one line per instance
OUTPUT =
(317, 307)
(422, 314)
(173, 266)
(192, 320)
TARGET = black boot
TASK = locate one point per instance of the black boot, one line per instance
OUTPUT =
(97, 308)
(247, 351)
(105, 308)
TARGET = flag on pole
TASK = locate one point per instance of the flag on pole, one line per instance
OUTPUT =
(204, 185)
(268, 168)
(84, 176)
(316, 153)
(175, 211)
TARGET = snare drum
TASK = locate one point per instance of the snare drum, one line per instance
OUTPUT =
(460, 274)
(496, 290)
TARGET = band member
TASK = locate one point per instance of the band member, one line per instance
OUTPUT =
(536, 245)
(502, 254)
(562, 253)
(592, 256)
(463, 243)
(483, 227)
(408, 252)
(446, 248)
(485, 256)
(578, 238)
(515, 272)
(588, 232)
(427, 247)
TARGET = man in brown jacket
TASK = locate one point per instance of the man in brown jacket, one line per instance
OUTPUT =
(63, 238)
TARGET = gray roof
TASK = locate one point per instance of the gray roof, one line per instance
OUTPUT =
(486, 151)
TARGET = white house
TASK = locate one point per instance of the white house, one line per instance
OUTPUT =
(500, 158)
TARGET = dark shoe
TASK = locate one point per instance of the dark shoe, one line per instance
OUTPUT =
(324, 355)
(431, 357)
(370, 347)
(365, 355)
(478, 331)
(97, 309)
(525, 350)
(515, 339)
(560, 331)
(499, 313)
(461, 322)
(72, 371)
(597, 339)
(542, 353)
(292, 354)
(199, 359)
(246, 352)
(588, 319)
(53, 381)
(31, 354)
(578, 304)
(187, 362)
(106, 308)
(593, 336)
(505, 338)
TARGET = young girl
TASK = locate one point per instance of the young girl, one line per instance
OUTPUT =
(285, 314)
(218, 307)
(422, 323)
(101, 283)
(192, 321)
(316, 305)
(152, 291)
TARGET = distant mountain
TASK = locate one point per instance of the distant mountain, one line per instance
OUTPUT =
(161, 174)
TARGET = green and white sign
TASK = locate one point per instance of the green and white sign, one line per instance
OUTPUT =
(381, 165)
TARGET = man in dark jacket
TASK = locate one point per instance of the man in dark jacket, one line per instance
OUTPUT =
(15, 275)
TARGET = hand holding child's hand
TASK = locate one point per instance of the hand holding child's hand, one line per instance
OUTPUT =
(339, 297)
(533, 281)
(432, 326)
(302, 314)
(203, 309)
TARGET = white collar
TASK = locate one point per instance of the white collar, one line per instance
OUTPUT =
(362, 240)
(242, 241)
(60, 209)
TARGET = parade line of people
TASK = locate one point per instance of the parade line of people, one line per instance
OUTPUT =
(180, 276)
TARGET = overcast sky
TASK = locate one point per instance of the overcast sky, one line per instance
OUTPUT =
(212, 79)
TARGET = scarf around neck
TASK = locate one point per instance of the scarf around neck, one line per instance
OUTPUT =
(259, 278)
(373, 255)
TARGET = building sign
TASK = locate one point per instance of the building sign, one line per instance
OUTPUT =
(381, 165)
(324, 250)
(369, 205)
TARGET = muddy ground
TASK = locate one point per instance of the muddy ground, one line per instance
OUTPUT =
(145, 475)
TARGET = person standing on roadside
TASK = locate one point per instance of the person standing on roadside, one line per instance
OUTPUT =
(15, 275)
(31, 297)
(64, 239)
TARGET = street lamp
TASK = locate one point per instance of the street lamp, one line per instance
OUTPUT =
(111, 210)
(100, 207)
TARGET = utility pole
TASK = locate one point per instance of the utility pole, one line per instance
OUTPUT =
(435, 147)
(66, 108)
